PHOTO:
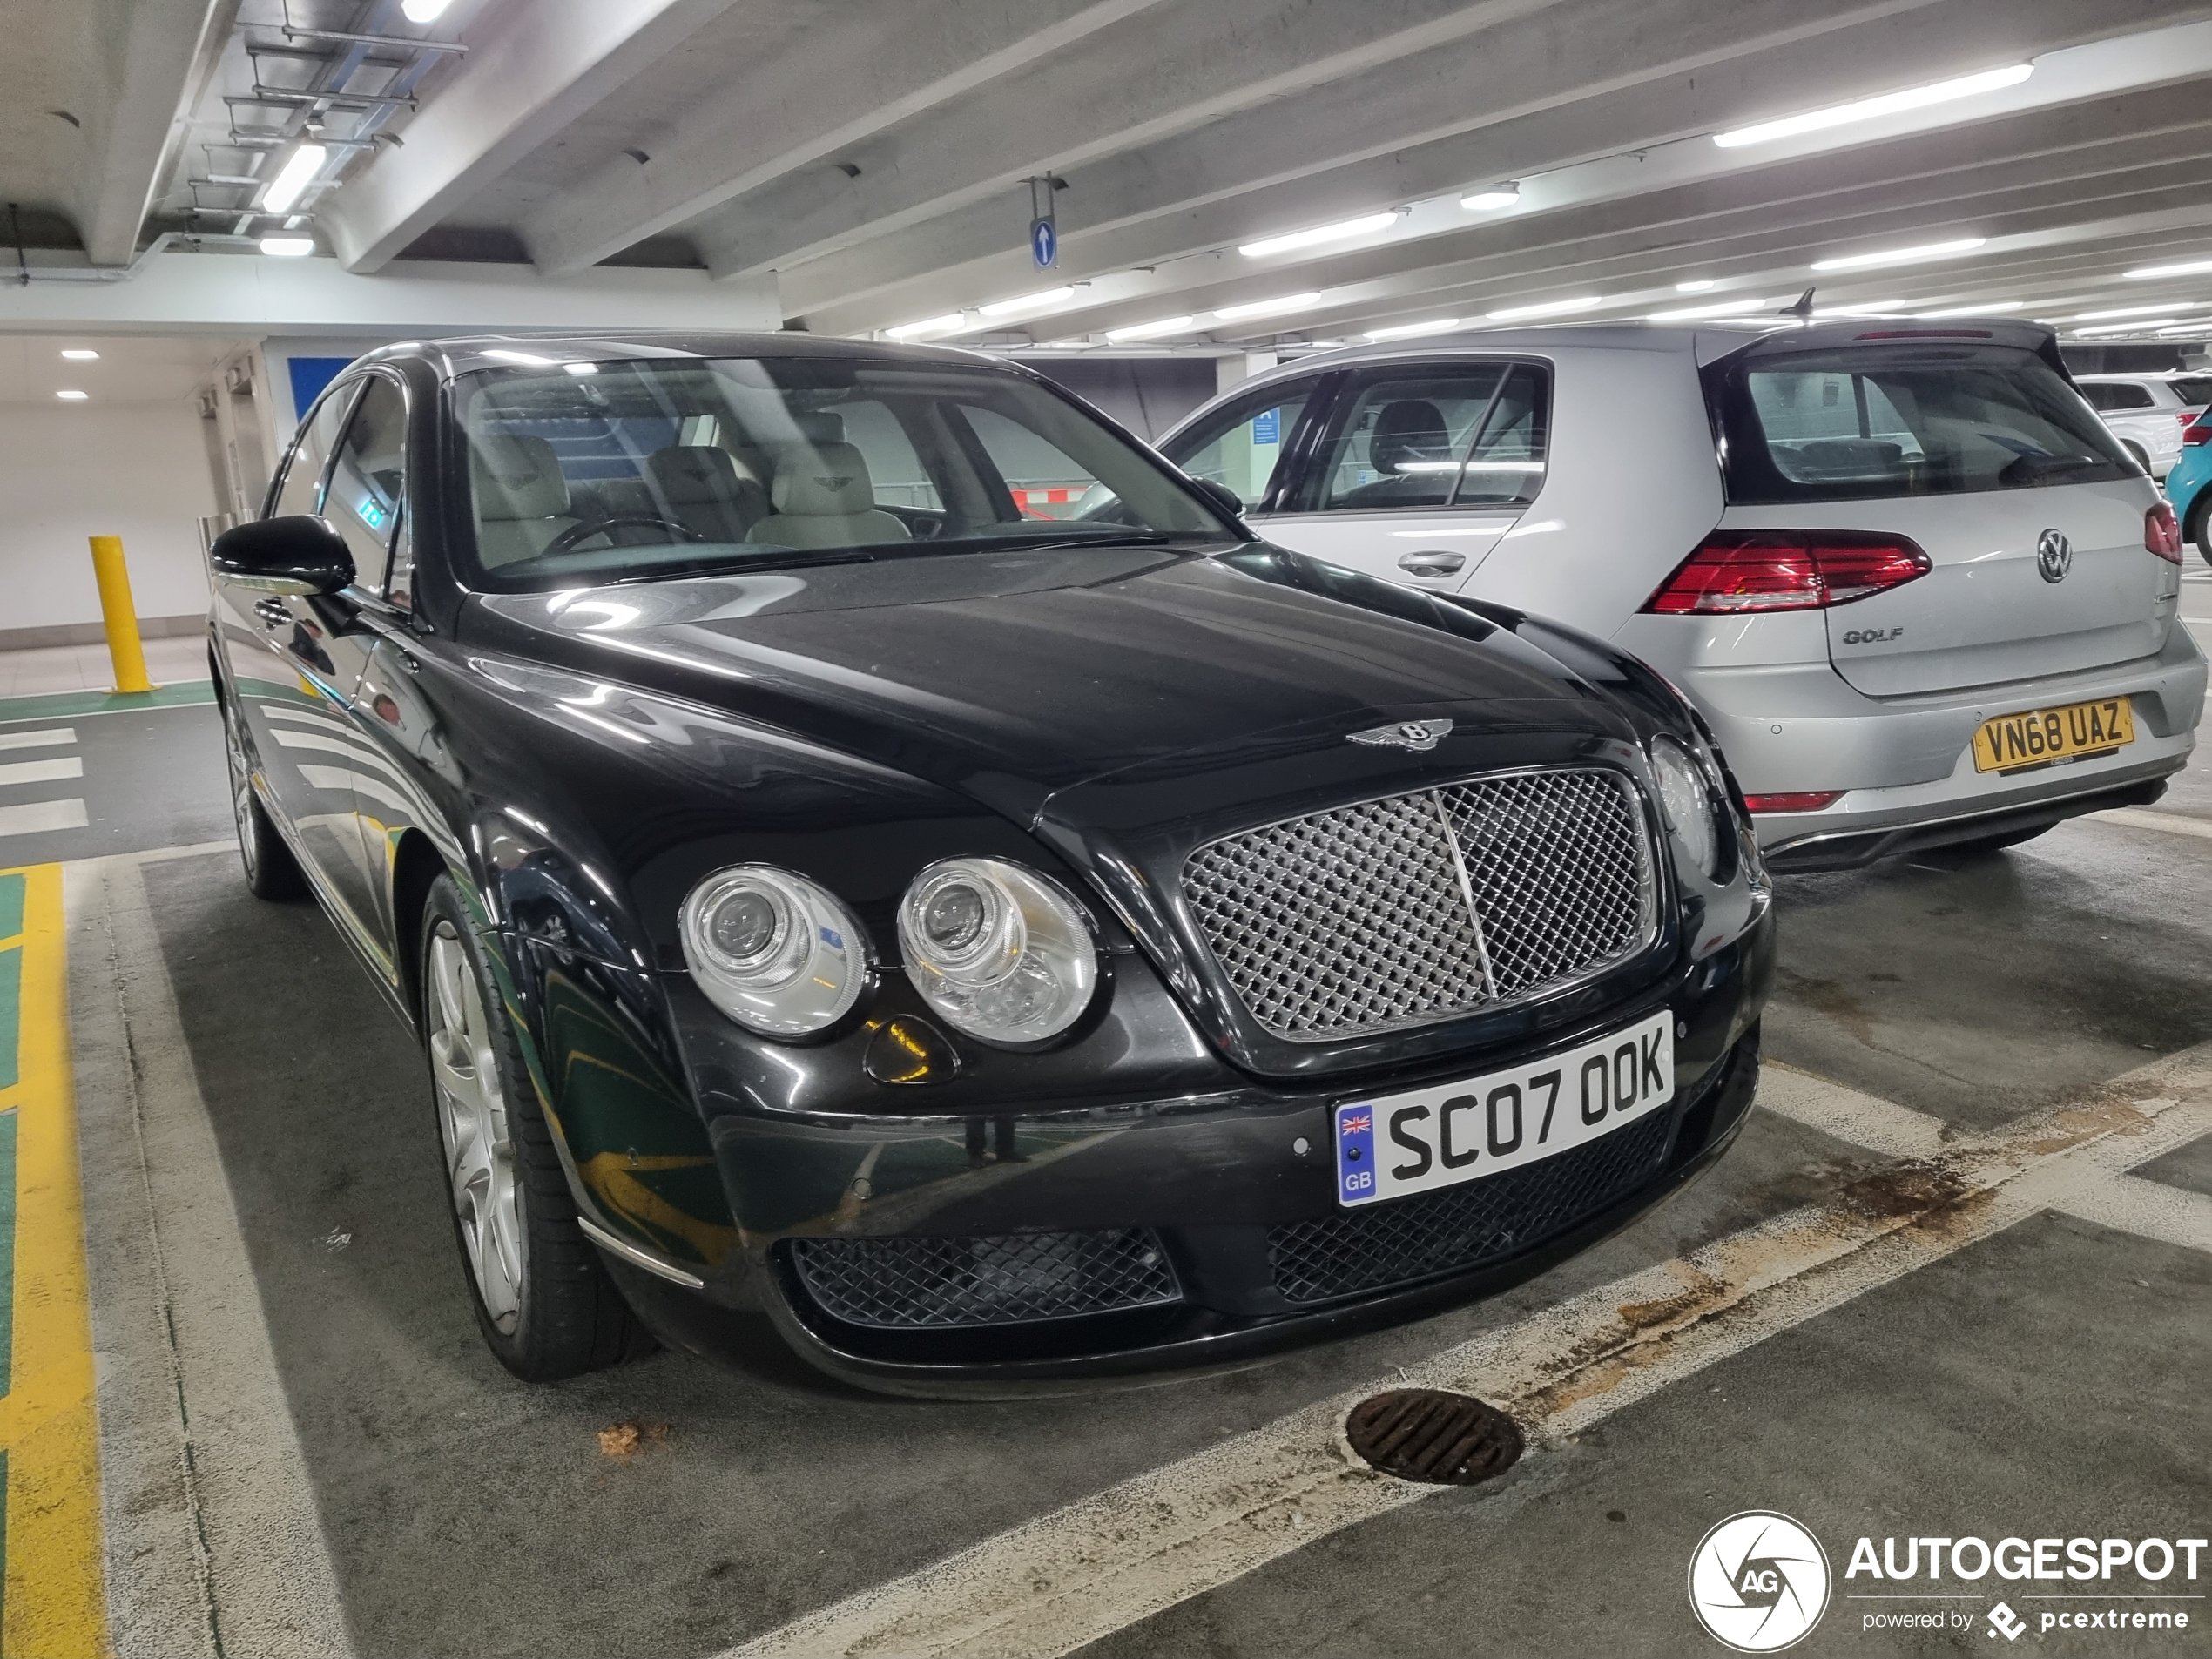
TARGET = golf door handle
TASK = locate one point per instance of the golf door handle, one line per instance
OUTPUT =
(1436, 563)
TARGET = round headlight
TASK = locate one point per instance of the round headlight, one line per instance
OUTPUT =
(998, 950)
(775, 952)
(1688, 801)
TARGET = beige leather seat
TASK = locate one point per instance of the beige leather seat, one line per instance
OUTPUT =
(521, 499)
(702, 489)
(824, 498)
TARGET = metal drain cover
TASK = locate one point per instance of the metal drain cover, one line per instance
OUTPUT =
(1429, 1434)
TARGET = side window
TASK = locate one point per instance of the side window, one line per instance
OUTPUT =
(367, 483)
(1044, 482)
(1240, 443)
(300, 491)
(2107, 396)
(1455, 434)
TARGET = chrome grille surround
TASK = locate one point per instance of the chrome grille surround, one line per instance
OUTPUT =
(1421, 906)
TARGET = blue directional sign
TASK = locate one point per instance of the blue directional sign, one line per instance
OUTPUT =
(1044, 242)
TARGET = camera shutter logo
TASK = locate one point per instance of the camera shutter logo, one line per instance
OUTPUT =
(2053, 556)
(1758, 1582)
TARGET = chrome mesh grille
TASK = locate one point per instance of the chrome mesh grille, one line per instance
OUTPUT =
(1006, 1278)
(1400, 911)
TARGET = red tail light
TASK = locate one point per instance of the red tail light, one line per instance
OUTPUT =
(1739, 570)
(2195, 430)
(2161, 535)
(1805, 800)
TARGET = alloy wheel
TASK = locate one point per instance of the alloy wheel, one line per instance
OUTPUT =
(474, 1125)
(249, 832)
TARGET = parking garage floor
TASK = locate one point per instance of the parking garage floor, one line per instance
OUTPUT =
(1955, 1279)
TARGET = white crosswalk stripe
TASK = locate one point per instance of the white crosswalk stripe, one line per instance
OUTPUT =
(34, 817)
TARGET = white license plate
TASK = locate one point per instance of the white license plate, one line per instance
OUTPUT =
(1450, 1133)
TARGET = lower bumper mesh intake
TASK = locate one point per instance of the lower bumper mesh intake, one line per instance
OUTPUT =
(1462, 1227)
(1007, 1279)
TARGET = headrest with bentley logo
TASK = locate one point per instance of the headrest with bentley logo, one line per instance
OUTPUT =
(516, 476)
(829, 481)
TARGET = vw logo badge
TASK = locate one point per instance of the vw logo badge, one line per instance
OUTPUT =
(2053, 556)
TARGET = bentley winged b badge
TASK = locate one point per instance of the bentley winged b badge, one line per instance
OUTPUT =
(1417, 735)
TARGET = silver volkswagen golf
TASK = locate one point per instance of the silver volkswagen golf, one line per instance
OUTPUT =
(1921, 593)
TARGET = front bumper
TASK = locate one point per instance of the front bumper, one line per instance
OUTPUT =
(1238, 1194)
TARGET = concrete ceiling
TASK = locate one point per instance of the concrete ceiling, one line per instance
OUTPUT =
(873, 160)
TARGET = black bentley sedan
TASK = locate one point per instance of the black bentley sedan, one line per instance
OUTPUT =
(871, 851)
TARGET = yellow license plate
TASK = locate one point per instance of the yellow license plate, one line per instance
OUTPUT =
(2012, 742)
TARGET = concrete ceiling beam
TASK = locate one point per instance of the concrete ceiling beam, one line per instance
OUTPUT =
(844, 79)
(546, 68)
(149, 59)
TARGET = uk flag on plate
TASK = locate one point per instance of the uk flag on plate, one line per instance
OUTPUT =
(1355, 1153)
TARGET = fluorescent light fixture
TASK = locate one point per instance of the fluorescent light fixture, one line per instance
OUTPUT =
(287, 247)
(1274, 307)
(507, 356)
(80, 354)
(1866, 109)
(2151, 273)
(1490, 200)
(951, 322)
(2127, 327)
(1151, 330)
(1696, 285)
(424, 10)
(1036, 301)
(1343, 231)
(2201, 326)
(291, 182)
(1549, 308)
(1868, 308)
(73, 396)
(1063, 345)
(580, 368)
(1977, 311)
(1900, 255)
(1415, 330)
(2136, 311)
(1720, 308)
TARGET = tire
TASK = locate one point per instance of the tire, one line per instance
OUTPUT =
(2200, 525)
(1988, 845)
(545, 1302)
(271, 870)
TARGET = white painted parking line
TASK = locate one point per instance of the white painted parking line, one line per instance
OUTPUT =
(1864, 1120)
(33, 816)
(42, 772)
(49, 738)
(2171, 1215)
(1083, 1572)
(2172, 823)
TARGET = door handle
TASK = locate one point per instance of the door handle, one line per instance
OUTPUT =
(1438, 563)
(271, 611)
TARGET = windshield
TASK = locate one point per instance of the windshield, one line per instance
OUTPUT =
(587, 472)
(1904, 419)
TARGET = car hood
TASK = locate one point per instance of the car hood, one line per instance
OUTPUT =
(1013, 676)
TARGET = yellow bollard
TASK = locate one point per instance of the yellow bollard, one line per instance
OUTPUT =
(117, 615)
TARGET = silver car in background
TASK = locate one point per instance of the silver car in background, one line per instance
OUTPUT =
(1923, 596)
(2149, 413)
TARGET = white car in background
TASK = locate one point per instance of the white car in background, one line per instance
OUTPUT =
(2149, 413)
(1920, 593)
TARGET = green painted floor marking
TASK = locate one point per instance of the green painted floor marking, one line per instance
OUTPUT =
(54, 704)
(11, 998)
(13, 888)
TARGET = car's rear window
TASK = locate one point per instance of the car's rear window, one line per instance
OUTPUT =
(2192, 389)
(1860, 423)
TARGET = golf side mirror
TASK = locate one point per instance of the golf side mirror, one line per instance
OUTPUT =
(299, 555)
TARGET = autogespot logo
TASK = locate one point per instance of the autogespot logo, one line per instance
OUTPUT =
(1758, 1582)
